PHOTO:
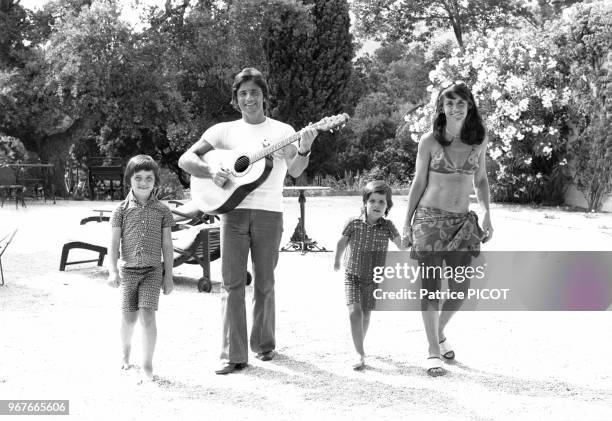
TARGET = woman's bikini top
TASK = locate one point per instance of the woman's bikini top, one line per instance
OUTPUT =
(441, 163)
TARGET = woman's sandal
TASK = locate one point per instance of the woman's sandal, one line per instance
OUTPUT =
(435, 367)
(446, 349)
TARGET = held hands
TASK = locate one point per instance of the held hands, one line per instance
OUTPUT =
(407, 237)
(307, 137)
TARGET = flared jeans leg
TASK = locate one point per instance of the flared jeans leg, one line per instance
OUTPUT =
(266, 234)
(260, 232)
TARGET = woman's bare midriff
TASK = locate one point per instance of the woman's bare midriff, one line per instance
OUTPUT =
(449, 192)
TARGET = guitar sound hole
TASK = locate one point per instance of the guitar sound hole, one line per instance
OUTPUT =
(241, 164)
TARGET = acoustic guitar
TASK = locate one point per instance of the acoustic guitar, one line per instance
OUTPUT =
(247, 171)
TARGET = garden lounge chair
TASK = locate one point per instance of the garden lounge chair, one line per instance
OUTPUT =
(4, 243)
(190, 241)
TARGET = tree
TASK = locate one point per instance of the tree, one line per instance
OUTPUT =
(309, 53)
(584, 39)
(101, 87)
(14, 26)
(416, 20)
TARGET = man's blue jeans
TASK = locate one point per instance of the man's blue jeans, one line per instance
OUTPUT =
(260, 232)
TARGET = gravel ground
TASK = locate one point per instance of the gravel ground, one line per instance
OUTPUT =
(59, 336)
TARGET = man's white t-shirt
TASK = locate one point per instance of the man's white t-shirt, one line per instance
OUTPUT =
(241, 135)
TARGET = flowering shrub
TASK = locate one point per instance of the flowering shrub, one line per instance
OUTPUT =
(528, 93)
(515, 84)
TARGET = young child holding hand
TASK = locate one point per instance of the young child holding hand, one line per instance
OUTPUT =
(367, 237)
(141, 226)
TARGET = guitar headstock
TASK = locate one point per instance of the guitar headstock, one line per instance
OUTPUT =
(332, 123)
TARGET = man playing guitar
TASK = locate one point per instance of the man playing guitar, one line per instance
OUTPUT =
(256, 223)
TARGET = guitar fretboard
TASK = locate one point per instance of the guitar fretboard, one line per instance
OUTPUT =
(274, 147)
(256, 156)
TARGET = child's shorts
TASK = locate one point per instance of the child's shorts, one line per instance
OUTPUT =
(359, 291)
(140, 287)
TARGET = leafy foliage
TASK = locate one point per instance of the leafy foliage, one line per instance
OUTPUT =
(584, 39)
(416, 20)
(309, 57)
(538, 100)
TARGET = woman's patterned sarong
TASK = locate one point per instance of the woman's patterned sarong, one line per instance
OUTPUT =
(436, 232)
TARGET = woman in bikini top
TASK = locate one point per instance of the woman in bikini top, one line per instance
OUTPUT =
(450, 164)
(441, 163)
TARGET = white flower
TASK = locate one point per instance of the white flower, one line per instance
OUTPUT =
(495, 154)
(539, 175)
(566, 95)
(547, 97)
(532, 52)
(514, 84)
(547, 150)
(524, 104)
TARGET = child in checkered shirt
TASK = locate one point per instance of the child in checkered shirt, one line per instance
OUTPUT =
(141, 227)
(367, 237)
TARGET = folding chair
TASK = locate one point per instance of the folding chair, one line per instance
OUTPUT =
(4, 243)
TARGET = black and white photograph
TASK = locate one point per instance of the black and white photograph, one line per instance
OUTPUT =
(306, 209)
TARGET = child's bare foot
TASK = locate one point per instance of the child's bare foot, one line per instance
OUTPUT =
(145, 376)
(126, 366)
(147, 373)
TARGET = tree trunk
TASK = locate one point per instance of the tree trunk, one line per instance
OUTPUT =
(54, 148)
(56, 152)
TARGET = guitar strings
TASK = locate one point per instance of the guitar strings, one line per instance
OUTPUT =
(241, 163)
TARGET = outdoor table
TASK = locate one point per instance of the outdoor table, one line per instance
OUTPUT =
(18, 167)
(103, 211)
(299, 240)
(100, 218)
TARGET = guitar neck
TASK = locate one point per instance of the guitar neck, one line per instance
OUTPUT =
(327, 123)
(274, 147)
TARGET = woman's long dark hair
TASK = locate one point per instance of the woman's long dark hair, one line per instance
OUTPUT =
(473, 131)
